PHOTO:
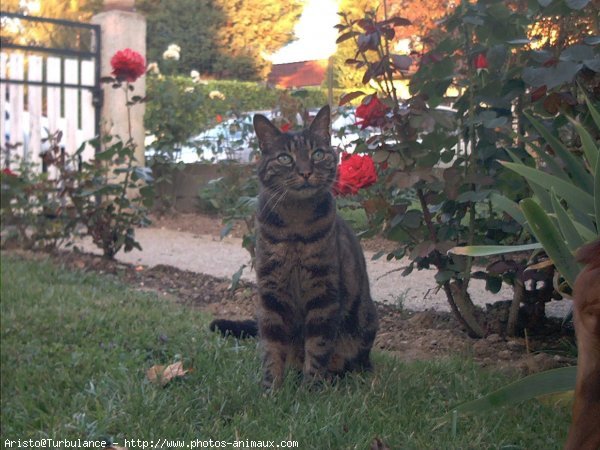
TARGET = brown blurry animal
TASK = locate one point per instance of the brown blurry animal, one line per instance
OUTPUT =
(584, 433)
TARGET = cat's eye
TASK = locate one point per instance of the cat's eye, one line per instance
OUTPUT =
(285, 159)
(318, 155)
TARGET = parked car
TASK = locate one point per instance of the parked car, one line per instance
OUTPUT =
(234, 139)
(231, 140)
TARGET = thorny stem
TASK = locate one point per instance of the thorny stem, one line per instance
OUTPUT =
(469, 162)
(437, 260)
(387, 57)
(132, 144)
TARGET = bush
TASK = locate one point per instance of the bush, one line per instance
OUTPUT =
(32, 214)
(453, 162)
(182, 107)
(105, 198)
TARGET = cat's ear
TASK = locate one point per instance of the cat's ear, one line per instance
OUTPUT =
(320, 124)
(266, 132)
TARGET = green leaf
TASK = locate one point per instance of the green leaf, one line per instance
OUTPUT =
(487, 250)
(572, 236)
(539, 192)
(551, 239)
(378, 255)
(593, 111)
(577, 4)
(542, 383)
(550, 162)
(572, 194)
(235, 278)
(580, 176)
(346, 98)
(587, 143)
(226, 229)
(443, 275)
(106, 154)
(473, 196)
(509, 207)
(587, 233)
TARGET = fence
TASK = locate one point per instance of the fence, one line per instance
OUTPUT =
(45, 88)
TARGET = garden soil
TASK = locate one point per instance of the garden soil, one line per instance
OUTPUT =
(186, 261)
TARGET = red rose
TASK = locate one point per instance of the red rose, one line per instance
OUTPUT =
(372, 113)
(354, 172)
(128, 65)
(481, 62)
(8, 172)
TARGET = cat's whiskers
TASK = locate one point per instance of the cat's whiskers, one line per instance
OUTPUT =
(278, 194)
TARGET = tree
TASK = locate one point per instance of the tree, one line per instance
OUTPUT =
(191, 24)
(36, 33)
(255, 28)
(221, 38)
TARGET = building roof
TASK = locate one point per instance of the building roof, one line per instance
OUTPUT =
(298, 74)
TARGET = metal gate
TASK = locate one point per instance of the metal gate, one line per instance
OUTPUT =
(49, 81)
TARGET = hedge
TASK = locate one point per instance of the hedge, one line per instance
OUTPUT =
(179, 108)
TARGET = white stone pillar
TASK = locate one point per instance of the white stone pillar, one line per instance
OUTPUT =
(120, 30)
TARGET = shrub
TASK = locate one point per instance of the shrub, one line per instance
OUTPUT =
(183, 107)
(31, 212)
(108, 195)
(451, 161)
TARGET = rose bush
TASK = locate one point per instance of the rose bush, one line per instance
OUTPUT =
(105, 198)
(444, 184)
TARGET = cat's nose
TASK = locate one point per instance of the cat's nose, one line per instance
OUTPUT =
(306, 174)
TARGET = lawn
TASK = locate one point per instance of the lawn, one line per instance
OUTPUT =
(76, 345)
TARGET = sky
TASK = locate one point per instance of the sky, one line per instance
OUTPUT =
(315, 34)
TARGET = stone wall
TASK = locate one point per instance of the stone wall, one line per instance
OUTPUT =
(186, 183)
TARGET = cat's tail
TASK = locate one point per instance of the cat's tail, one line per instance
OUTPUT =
(236, 328)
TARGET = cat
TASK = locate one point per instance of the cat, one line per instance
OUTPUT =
(315, 310)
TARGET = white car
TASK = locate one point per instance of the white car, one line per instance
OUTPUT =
(231, 140)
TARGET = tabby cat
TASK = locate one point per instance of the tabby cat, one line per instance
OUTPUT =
(315, 312)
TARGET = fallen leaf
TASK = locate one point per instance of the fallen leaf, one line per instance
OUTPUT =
(162, 375)
(541, 265)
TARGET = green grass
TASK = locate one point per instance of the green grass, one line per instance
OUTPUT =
(75, 347)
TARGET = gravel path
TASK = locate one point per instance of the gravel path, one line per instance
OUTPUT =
(206, 254)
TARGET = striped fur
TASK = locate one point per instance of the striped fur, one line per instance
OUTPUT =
(315, 313)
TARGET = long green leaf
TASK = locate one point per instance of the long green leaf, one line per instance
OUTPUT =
(588, 144)
(550, 162)
(542, 383)
(572, 236)
(549, 236)
(593, 111)
(541, 193)
(509, 207)
(487, 250)
(579, 175)
(571, 193)
(586, 233)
